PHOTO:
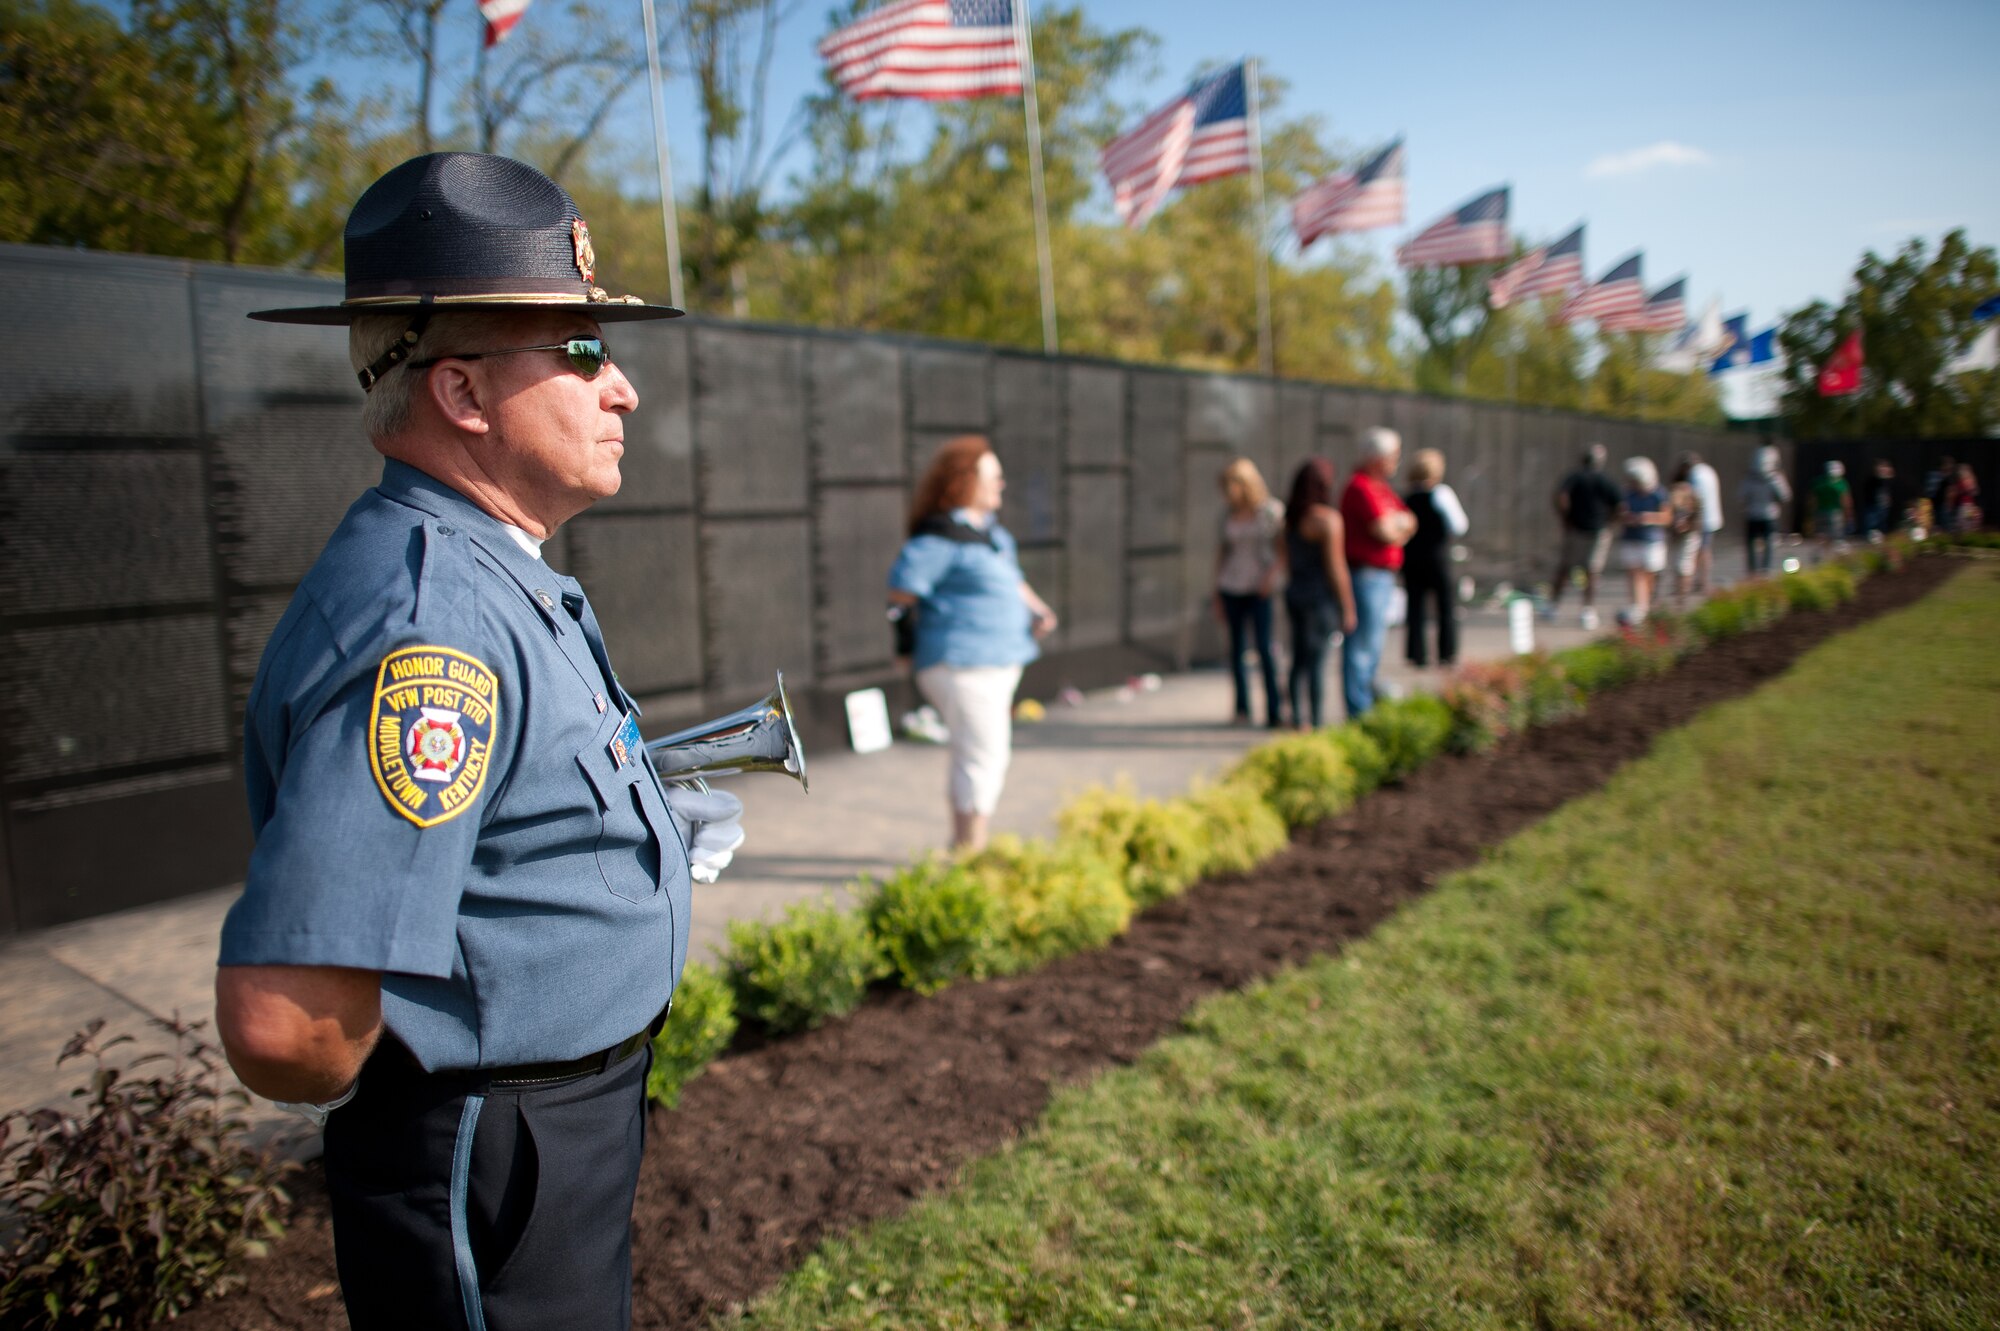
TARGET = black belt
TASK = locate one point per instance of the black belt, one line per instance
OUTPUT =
(524, 1074)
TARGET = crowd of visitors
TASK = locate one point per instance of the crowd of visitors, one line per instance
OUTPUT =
(1336, 552)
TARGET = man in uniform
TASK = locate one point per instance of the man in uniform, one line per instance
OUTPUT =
(468, 904)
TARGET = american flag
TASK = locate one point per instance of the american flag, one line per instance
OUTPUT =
(1204, 134)
(1665, 311)
(1617, 295)
(1476, 233)
(1352, 200)
(1552, 270)
(939, 50)
(501, 16)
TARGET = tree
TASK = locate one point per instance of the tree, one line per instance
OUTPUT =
(1449, 307)
(1914, 313)
(177, 133)
(1627, 383)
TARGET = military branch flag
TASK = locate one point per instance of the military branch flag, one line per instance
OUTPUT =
(1358, 200)
(1665, 311)
(1475, 233)
(1841, 374)
(501, 16)
(1619, 294)
(938, 50)
(1552, 270)
(1204, 134)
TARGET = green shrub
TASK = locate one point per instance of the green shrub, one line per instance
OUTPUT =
(1305, 778)
(1597, 666)
(1839, 583)
(935, 923)
(1488, 701)
(1363, 755)
(795, 973)
(1721, 616)
(1157, 847)
(1238, 827)
(1411, 731)
(701, 1025)
(1058, 899)
(143, 1199)
(1809, 590)
(1551, 695)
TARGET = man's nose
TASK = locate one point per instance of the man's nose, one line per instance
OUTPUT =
(618, 393)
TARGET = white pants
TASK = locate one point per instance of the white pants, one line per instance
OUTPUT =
(977, 704)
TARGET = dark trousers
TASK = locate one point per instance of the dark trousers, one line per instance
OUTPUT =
(1313, 623)
(1249, 618)
(1760, 534)
(1427, 584)
(486, 1207)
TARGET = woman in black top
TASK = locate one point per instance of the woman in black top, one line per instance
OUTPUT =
(1427, 560)
(1319, 594)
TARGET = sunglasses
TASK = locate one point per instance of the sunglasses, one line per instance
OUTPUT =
(587, 355)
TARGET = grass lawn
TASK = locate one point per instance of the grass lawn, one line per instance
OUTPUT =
(1717, 1046)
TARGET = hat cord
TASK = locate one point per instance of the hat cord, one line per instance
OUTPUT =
(399, 351)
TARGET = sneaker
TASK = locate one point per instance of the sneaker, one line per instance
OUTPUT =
(1588, 620)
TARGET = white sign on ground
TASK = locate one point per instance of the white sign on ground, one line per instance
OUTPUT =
(868, 721)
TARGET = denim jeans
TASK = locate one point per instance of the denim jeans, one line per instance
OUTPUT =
(1250, 618)
(1313, 625)
(1361, 650)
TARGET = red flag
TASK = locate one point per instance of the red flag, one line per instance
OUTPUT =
(501, 16)
(1842, 373)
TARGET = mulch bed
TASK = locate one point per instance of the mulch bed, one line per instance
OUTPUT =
(779, 1146)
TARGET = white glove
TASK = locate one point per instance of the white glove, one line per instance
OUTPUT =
(318, 1114)
(711, 826)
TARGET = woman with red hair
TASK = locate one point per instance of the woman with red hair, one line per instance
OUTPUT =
(969, 620)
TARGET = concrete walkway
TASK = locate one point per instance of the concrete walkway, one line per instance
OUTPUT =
(865, 815)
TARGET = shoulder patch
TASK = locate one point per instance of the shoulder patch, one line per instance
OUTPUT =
(430, 731)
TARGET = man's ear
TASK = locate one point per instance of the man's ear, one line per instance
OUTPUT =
(459, 395)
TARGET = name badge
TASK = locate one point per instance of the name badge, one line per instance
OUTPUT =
(624, 745)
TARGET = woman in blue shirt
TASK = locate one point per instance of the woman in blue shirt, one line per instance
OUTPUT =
(1644, 516)
(975, 620)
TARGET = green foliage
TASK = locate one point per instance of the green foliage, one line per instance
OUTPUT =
(1306, 778)
(935, 923)
(1363, 755)
(139, 1202)
(1157, 846)
(796, 973)
(1809, 590)
(1410, 731)
(1058, 898)
(1914, 313)
(701, 1025)
(1597, 666)
(1488, 701)
(1551, 695)
(1238, 829)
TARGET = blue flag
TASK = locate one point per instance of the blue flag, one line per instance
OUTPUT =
(1735, 346)
(1986, 309)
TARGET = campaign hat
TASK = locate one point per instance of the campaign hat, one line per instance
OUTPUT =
(461, 231)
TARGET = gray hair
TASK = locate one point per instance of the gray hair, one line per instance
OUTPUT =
(1642, 473)
(386, 411)
(1380, 442)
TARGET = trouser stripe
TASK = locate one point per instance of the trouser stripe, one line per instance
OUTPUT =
(461, 1230)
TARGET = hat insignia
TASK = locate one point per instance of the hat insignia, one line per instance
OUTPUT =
(586, 257)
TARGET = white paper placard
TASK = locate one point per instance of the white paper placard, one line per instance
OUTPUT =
(868, 721)
(1521, 625)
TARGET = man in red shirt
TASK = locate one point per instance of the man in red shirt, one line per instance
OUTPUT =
(1378, 525)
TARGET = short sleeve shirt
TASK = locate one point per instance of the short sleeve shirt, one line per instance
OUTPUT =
(445, 785)
(1645, 501)
(1828, 493)
(970, 611)
(1592, 500)
(1365, 500)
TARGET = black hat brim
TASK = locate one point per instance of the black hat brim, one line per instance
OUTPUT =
(336, 316)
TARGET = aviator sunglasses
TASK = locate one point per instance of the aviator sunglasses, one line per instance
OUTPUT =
(587, 355)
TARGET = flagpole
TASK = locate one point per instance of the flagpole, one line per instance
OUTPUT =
(1266, 361)
(1024, 35)
(669, 217)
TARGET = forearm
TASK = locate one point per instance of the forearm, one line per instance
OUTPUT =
(297, 1033)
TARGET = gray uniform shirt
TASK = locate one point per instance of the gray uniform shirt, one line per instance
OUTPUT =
(445, 785)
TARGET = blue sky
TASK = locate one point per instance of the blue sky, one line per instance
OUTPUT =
(1757, 148)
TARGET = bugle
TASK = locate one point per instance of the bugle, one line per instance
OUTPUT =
(757, 738)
